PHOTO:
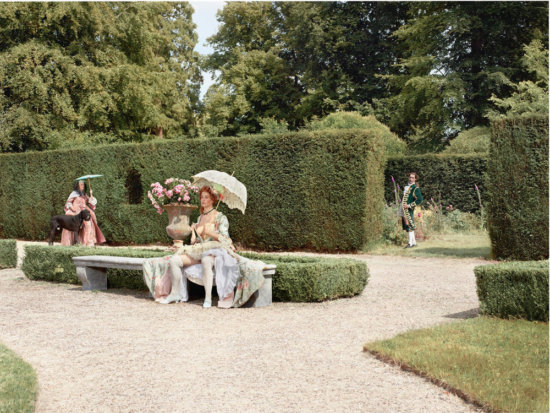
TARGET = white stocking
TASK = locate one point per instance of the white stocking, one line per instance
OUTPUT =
(179, 283)
(413, 238)
(207, 277)
(410, 238)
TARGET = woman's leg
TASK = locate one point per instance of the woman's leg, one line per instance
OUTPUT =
(207, 278)
(176, 276)
(179, 283)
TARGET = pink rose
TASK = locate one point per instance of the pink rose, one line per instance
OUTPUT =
(169, 193)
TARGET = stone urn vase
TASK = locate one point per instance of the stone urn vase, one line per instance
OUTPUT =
(178, 221)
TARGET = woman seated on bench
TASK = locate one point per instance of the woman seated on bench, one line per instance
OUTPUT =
(210, 246)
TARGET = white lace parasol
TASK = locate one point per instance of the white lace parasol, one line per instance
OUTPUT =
(232, 190)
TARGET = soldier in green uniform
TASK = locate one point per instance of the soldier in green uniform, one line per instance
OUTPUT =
(411, 198)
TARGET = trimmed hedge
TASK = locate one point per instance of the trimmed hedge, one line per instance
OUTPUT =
(307, 279)
(296, 279)
(55, 264)
(319, 190)
(451, 177)
(514, 289)
(517, 188)
(8, 253)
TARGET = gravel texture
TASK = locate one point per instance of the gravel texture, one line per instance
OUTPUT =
(118, 351)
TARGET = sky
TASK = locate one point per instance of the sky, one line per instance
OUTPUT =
(205, 19)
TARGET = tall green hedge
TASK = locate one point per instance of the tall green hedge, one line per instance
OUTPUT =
(518, 188)
(8, 253)
(514, 289)
(319, 190)
(297, 279)
(449, 178)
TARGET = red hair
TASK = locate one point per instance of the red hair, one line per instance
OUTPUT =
(211, 192)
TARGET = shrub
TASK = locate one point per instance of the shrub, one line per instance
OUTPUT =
(8, 253)
(330, 182)
(450, 179)
(307, 279)
(471, 141)
(55, 264)
(354, 120)
(517, 188)
(392, 228)
(514, 289)
(296, 278)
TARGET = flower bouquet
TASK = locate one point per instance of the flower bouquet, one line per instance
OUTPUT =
(175, 191)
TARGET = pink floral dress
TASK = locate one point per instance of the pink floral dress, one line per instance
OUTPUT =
(89, 234)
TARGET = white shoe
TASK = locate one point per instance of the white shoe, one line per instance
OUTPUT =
(207, 304)
(169, 300)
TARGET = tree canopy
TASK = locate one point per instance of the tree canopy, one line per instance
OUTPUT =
(457, 55)
(425, 69)
(88, 73)
(293, 61)
(95, 72)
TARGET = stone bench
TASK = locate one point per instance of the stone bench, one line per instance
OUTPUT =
(92, 272)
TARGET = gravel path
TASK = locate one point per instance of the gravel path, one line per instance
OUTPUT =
(119, 351)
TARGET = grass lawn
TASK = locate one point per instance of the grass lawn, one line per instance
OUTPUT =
(18, 383)
(475, 245)
(501, 365)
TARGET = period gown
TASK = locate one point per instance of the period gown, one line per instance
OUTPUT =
(89, 234)
(230, 269)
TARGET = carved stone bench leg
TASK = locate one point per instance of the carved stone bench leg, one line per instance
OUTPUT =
(92, 278)
(263, 296)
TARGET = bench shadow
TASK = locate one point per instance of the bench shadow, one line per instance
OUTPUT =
(464, 315)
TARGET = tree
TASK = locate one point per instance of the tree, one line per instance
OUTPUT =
(456, 56)
(292, 61)
(530, 96)
(74, 73)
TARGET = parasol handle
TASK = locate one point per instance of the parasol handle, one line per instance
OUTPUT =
(90, 186)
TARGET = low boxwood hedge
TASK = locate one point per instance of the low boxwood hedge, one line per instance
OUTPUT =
(8, 253)
(306, 279)
(514, 289)
(55, 264)
(299, 279)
